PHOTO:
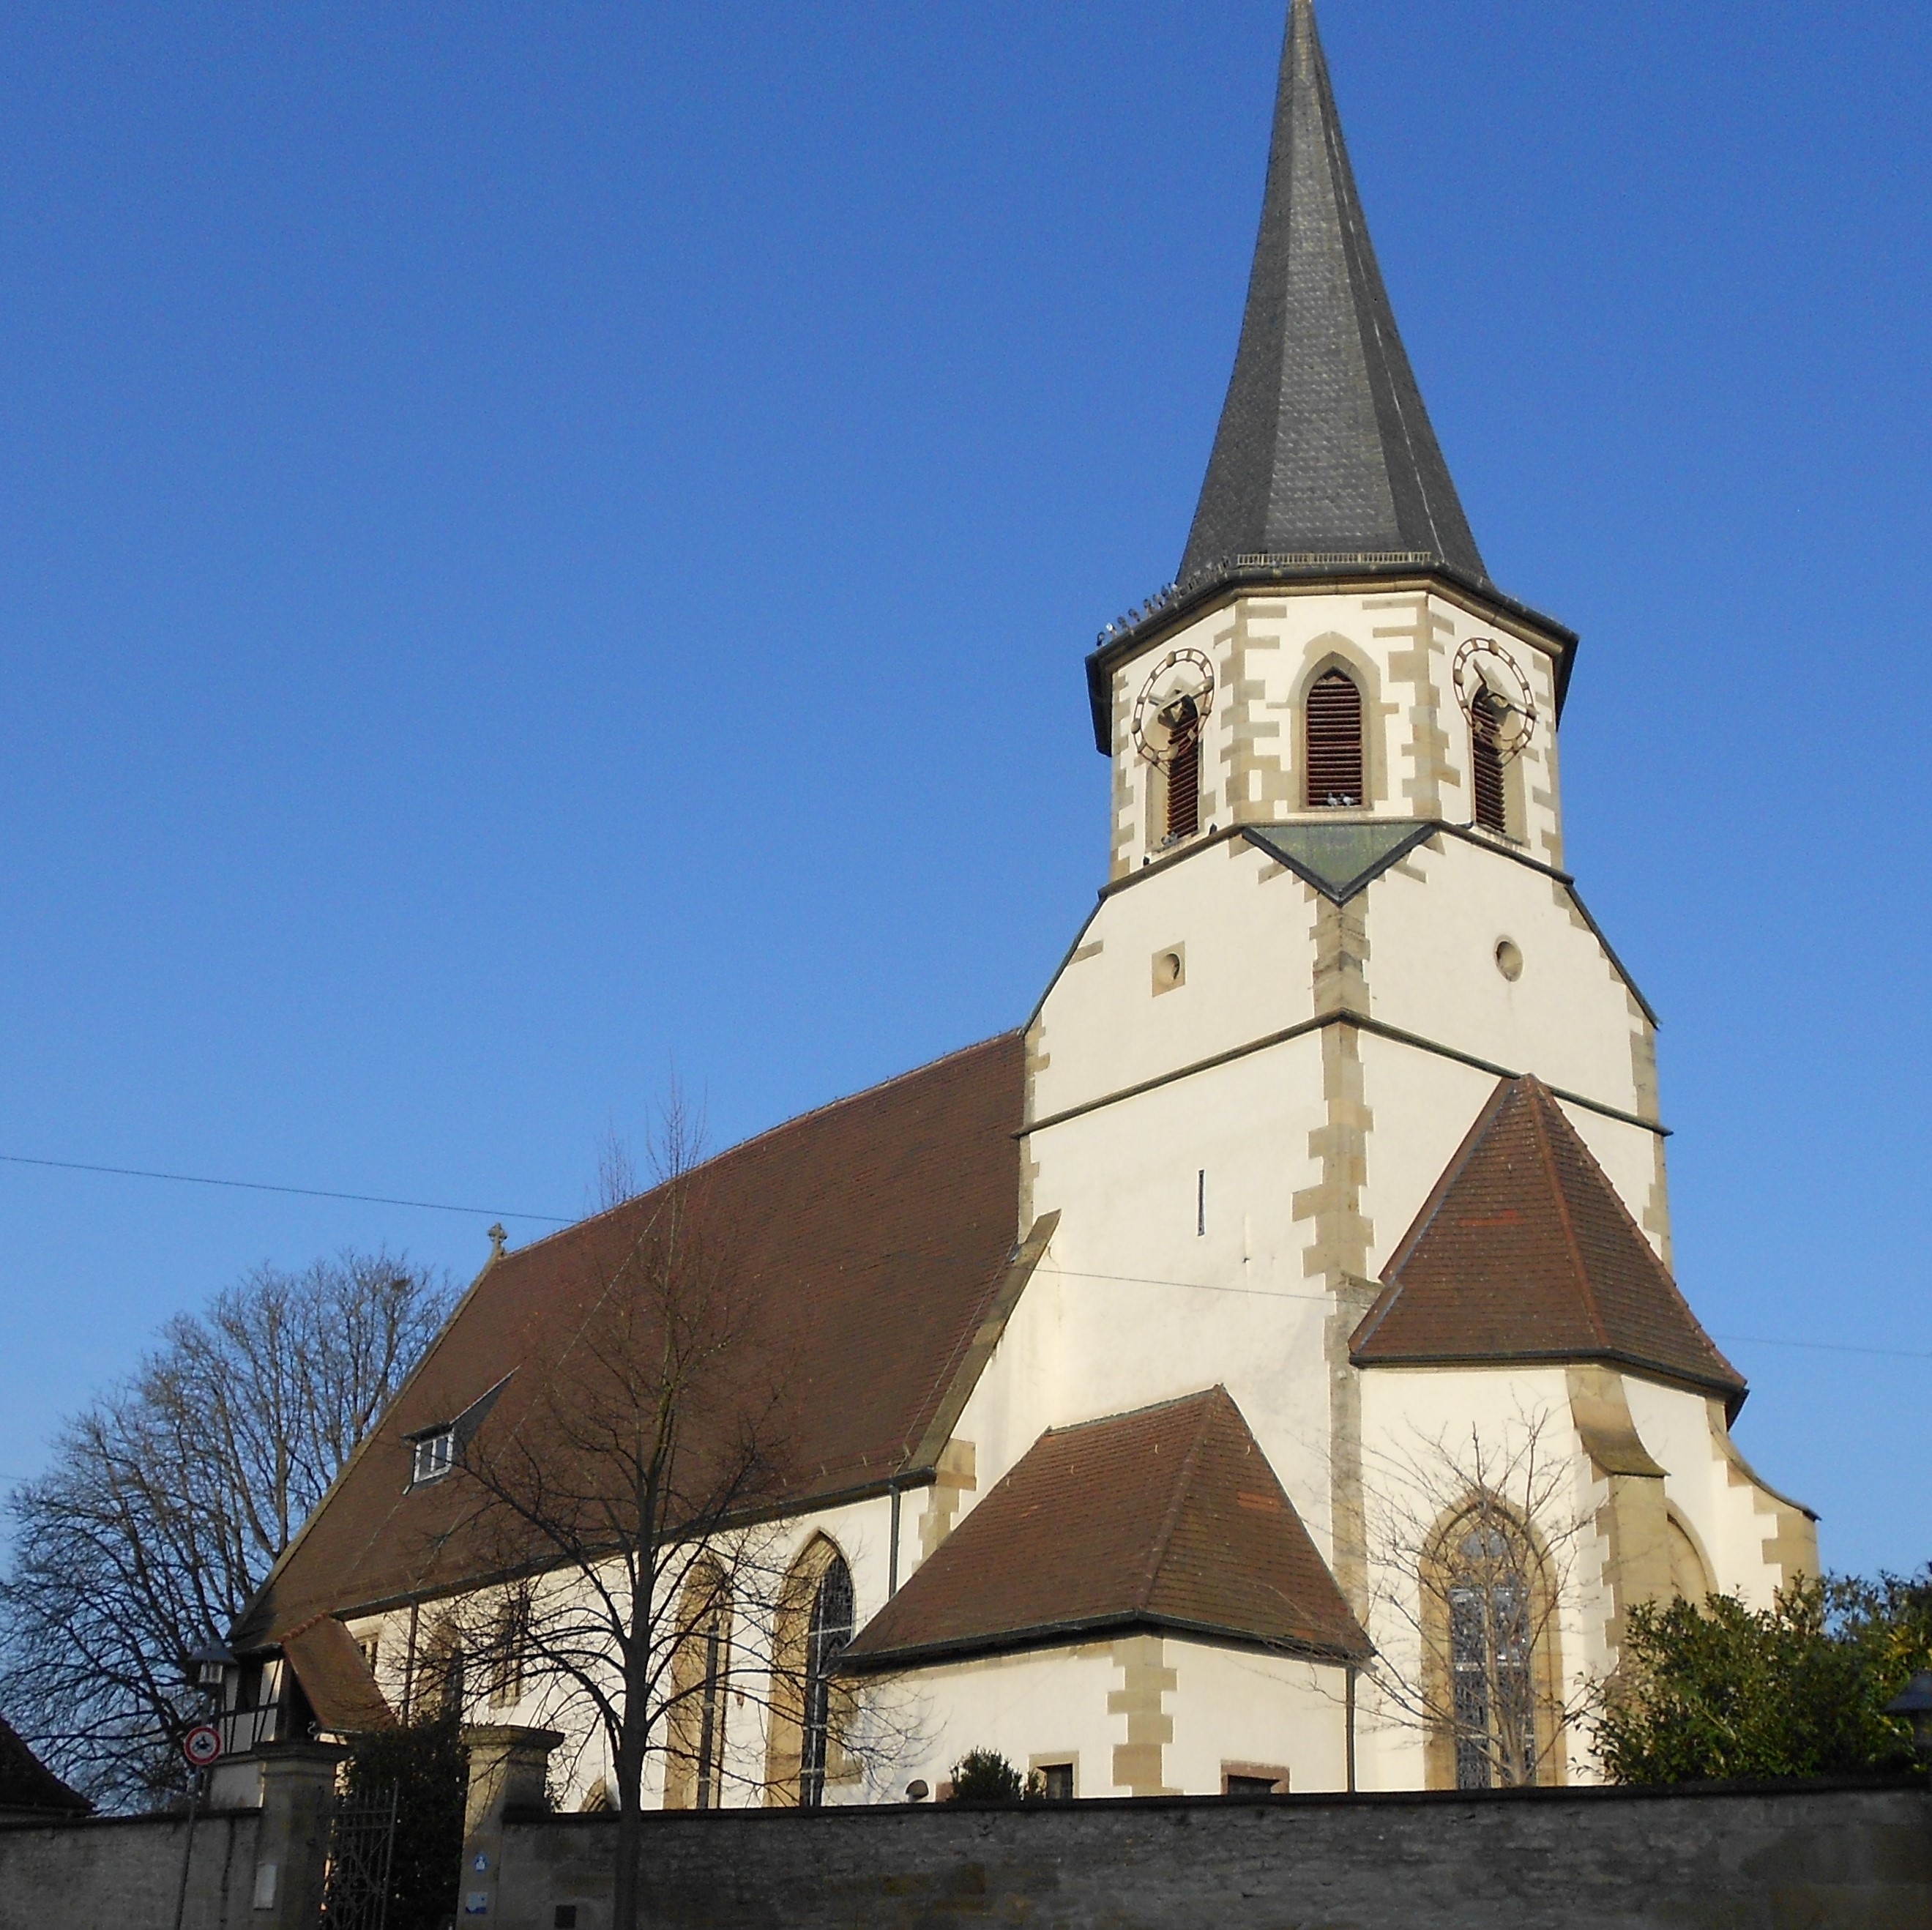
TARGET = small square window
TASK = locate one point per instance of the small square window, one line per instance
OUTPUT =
(565, 1918)
(433, 1454)
(1058, 1779)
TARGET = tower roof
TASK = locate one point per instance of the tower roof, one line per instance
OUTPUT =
(1324, 450)
(1525, 1251)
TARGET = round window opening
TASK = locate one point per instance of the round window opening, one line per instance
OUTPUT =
(1168, 968)
(1509, 959)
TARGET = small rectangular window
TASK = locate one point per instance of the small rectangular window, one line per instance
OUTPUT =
(1056, 1780)
(434, 1454)
(1254, 1779)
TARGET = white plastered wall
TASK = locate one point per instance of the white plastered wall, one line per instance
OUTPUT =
(1225, 1706)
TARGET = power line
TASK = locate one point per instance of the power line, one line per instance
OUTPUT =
(265, 1186)
(1821, 1346)
(1268, 1293)
(1064, 1273)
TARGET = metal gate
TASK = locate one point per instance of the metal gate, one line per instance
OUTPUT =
(361, 1834)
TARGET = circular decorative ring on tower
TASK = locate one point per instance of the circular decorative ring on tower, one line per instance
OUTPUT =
(1173, 705)
(1496, 696)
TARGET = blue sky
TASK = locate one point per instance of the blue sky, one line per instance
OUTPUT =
(465, 473)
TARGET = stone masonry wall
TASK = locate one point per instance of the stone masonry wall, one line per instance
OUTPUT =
(124, 1874)
(1819, 1857)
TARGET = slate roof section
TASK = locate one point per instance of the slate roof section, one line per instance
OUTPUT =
(1169, 1517)
(28, 1787)
(1324, 449)
(1525, 1251)
(1340, 860)
(872, 1238)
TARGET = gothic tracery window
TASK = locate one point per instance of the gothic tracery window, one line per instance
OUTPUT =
(1491, 1616)
(830, 1629)
(701, 1673)
(1332, 741)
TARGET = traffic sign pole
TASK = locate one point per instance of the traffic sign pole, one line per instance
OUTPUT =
(201, 1746)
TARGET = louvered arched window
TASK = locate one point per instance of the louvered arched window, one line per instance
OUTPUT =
(1332, 741)
(1487, 718)
(1183, 720)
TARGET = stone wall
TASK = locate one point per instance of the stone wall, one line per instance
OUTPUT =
(124, 1874)
(1819, 1855)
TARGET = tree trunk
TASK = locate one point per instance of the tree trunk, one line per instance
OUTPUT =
(627, 1901)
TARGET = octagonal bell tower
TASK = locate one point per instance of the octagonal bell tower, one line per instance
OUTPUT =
(1332, 651)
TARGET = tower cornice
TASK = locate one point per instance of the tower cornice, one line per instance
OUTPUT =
(1181, 604)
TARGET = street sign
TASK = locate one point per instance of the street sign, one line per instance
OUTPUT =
(202, 1746)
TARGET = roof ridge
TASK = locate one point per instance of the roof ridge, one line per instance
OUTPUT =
(1183, 1482)
(1540, 1096)
(1664, 1271)
(745, 1145)
(1134, 1413)
(1425, 1218)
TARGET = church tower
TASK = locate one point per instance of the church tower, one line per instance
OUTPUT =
(1338, 952)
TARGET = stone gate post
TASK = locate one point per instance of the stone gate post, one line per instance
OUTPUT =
(509, 1767)
(292, 1850)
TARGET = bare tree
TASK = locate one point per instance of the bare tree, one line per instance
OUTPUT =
(168, 1499)
(617, 1179)
(627, 1510)
(1472, 1548)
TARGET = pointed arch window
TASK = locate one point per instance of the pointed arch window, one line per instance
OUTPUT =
(700, 1672)
(1332, 741)
(1489, 1620)
(827, 1634)
(1487, 719)
(1182, 719)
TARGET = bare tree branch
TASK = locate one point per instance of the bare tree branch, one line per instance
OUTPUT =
(1472, 1552)
(170, 1499)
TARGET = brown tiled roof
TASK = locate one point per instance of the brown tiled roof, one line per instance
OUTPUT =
(26, 1783)
(870, 1240)
(1168, 1517)
(1525, 1251)
(336, 1679)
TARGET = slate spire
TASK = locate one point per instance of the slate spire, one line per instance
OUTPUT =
(1324, 448)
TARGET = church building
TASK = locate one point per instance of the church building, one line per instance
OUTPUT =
(1262, 1368)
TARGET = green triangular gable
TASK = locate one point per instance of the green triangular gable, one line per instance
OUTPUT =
(1338, 860)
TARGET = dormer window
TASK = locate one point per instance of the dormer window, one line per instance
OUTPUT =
(435, 1454)
(1332, 742)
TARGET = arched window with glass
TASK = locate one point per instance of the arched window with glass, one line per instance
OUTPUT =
(701, 1673)
(1491, 1671)
(827, 1635)
(1493, 1694)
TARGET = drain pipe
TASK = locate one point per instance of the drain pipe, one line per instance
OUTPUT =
(893, 1555)
(1350, 1702)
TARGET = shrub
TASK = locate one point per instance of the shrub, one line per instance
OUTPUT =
(1720, 1690)
(424, 1762)
(985, 1775)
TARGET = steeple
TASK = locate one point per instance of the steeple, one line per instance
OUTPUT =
(1324, 449)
